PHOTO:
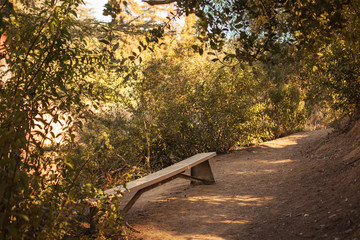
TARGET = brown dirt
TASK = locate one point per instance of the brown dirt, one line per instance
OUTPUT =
(303, 186)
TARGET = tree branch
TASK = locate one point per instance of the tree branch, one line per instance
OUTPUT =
(158, 2)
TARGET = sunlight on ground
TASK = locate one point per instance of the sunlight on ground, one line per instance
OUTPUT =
(256, 172)
(284, 142)
(224, 220)
(279, 161)
(280, 144)
(236, 221)
(241, 200)
(171, 234)
(151, 227)
(204, 237)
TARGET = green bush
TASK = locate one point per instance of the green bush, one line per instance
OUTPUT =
(174, 106)
(286, 109)
(41, 193)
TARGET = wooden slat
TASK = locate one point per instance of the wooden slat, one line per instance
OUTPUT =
(162, 174)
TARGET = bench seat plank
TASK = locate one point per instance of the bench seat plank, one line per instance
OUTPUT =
(162, 174)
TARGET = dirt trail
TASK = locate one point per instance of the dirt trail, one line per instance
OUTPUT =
(275, 190)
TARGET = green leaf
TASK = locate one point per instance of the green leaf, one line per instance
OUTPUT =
(104, 41)
(69, 164)
(56, 118)
(127, 77)
(213, 45)
(116, 46)
(23, 216)
(201, 51)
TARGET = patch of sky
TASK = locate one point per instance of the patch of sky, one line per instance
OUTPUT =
(96, 9)
(231, 23)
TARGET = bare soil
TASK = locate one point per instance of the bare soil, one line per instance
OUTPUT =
(303, 186)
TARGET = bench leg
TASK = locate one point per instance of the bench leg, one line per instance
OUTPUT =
(93, 210)
(141, 191)
(203, 171)
(133, 200)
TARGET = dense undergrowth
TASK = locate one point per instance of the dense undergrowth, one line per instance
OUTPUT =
(179, 103)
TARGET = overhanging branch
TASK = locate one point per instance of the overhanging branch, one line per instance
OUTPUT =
(158, 2)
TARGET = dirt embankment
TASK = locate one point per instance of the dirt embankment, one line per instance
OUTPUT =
(303, 186)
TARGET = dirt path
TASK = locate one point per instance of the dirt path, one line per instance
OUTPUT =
(268, 191)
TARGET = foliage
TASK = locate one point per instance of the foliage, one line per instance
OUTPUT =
(284, 95)
(81, 102)
(260, 27)
(264, 29)
(176, 103)
(51, 85)
(197, 107)
(343, 77)
(330, 74)
(171, 109)
(286, 109)
(43, 98)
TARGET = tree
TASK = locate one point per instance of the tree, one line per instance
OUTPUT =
(48, 64)
(263, 29)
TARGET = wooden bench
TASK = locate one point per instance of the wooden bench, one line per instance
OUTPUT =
(200, 171)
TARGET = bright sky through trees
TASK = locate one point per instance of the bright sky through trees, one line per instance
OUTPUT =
(97, 7)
